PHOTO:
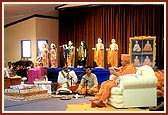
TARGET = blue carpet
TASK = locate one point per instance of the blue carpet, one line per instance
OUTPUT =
(48, 104)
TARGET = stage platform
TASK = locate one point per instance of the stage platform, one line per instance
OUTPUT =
(101, 73)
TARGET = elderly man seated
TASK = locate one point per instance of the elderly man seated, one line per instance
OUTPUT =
(131, 90)
(106, 86)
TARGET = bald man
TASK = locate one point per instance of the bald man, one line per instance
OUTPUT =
(106, 86)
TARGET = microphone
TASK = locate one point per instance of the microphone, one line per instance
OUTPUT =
(68, 72)
(82, 74)
(70, 77)
(86, 81)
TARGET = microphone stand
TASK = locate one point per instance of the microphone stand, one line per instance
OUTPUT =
(71, 81)
(86, 84)
(70, 77)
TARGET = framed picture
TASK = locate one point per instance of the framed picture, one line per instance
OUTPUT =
(143, 50)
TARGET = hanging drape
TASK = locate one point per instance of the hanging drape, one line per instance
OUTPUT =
(112, 21)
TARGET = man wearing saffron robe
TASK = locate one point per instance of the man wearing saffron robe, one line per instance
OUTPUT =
(160, 85)
(106, 86)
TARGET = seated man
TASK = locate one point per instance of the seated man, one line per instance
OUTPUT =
(106, 86)
(22, 71)
(160, 85)
(89, 80)
(160, 91)
(67, 78)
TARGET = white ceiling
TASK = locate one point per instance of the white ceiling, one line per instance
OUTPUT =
(14, 12)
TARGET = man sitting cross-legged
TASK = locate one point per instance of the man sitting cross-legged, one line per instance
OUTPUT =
(67, 78)
(89, 83)
(106, 86)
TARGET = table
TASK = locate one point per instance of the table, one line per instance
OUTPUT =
(15, 81)
(44, 85)
(6, 83)
(35, 73)
(11, 81)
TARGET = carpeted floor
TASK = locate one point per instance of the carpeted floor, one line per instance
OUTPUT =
(54, 105)
(51, 104)
(87, 107)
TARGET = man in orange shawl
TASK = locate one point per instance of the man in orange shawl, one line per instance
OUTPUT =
(106, 86)
(160, 91)
(160, 85)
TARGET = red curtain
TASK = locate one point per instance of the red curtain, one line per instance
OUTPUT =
(112, 21)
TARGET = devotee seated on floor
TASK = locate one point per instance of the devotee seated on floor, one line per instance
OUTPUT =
(89, 83)
(67, 79)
